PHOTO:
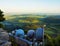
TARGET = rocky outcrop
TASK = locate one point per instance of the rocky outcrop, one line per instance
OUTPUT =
(4, 38)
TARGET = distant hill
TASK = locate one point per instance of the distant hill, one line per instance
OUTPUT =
(52, 19)
(52, 24)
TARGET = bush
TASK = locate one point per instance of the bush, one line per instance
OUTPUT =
(1, 25)
(57, 40)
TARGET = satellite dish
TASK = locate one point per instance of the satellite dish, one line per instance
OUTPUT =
(30, 34)
(20, 33)
(39, 34)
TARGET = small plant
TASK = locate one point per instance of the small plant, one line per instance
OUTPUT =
(48, 40)
(57, 40)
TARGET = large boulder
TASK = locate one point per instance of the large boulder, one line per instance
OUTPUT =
(4, 38)
(3, 35)
(31, 34)
(20, 33)
(39, 34)
(6, 44)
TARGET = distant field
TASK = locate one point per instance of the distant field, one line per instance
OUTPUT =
(34, 21)
(14, 16)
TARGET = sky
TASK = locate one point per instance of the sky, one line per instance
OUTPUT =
(30, 6)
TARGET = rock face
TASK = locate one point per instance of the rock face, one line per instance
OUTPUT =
(4, 38)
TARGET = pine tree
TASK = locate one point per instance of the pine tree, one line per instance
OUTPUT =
(1, 16)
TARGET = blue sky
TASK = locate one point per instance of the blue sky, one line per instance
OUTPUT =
(30, 6)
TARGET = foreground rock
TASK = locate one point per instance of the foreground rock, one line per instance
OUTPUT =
(4, 38)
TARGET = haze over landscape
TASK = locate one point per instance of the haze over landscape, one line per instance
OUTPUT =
(30, 6)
